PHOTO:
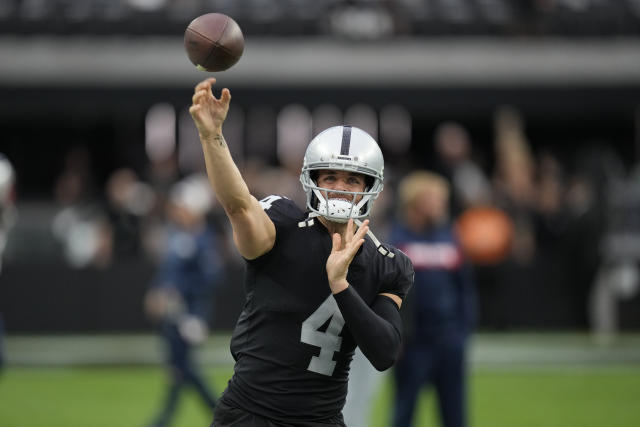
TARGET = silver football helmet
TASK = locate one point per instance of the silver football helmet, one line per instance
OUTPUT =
(342, 148)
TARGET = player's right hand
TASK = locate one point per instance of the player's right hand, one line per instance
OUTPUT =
(207, 111)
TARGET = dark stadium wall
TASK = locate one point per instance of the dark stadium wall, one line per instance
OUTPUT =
(41, 295)
(112, 126)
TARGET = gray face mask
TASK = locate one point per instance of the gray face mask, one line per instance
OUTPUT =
(342, 148)
(337, 209)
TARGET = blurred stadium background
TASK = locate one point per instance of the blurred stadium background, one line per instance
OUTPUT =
(93, 116)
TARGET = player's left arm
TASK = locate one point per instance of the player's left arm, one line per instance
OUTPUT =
(395, 298)
(377, 329)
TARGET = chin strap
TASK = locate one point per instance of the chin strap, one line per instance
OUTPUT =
(384, 251)
(309, 221)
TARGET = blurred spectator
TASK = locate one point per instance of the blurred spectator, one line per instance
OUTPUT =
(469, 184)
(613, 212)
(7, 201)
(181, 295)
(440, 311)
(76, 182)
(514, 180)
(7, 219)
(129, 201)
(162, 173)
(586, 210)
(507, 288)
(81, 226)
(558, 228)
(551, 270)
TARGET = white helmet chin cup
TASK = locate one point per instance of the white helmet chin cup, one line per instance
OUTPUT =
(337, 209)
(343, 148)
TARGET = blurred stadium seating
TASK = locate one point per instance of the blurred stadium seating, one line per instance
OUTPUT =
(365, 18)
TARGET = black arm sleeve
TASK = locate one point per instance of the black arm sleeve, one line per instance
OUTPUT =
(377, 329)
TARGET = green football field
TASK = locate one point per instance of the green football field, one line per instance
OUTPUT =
(562, 390)
(127, 396)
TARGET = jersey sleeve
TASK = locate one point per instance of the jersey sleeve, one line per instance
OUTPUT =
(400, 277)
(282, 211)
(285, 215)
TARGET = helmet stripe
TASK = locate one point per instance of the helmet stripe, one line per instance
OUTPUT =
(346, 140)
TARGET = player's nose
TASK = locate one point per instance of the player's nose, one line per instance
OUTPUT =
(344, 183)
(341, 186)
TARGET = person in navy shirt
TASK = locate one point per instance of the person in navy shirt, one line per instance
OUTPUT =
(181, 295)
(439, 312)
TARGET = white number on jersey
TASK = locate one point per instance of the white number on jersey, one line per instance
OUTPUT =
(329, 341)
(268, 201)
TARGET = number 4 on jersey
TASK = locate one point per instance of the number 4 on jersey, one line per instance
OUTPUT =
(329, 341)
(268, 201)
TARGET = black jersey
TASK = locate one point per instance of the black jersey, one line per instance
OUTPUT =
(291, 346)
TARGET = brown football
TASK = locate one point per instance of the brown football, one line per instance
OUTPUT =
(214, 42)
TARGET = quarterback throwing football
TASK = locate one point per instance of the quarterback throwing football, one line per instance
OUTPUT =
(318, 282)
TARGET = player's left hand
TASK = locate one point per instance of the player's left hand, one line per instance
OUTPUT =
(342, 253)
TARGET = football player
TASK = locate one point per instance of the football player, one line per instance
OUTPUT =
(7, 219)
(318, 283)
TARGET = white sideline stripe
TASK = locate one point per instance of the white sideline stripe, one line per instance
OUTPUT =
(104, 350)
(487, 351)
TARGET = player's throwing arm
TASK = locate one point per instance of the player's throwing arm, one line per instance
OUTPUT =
(253, 231)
